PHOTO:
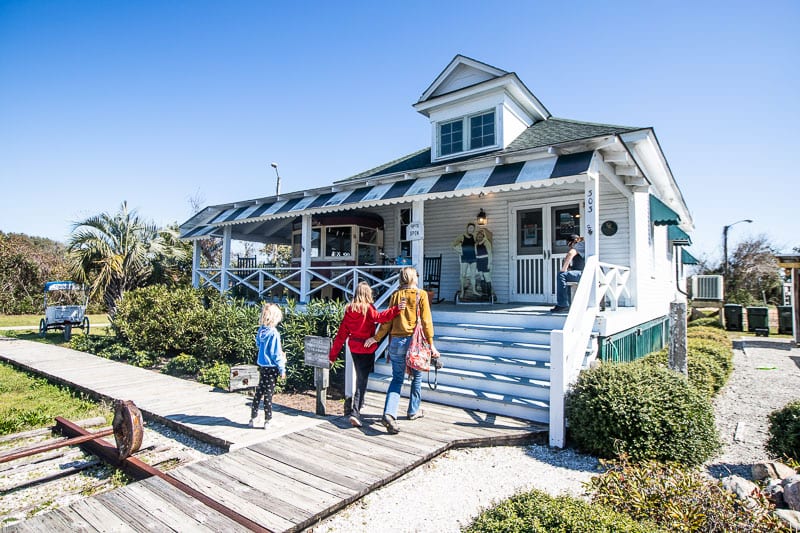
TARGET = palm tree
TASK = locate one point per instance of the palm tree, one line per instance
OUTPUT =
(115, 252)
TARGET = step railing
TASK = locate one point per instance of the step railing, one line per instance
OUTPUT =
(568, 346)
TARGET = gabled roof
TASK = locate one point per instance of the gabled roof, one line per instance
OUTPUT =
(541, 134)
(462, 72)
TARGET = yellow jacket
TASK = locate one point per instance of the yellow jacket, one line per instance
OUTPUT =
(403, 324)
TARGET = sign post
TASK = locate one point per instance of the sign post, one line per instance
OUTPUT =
(316, 355)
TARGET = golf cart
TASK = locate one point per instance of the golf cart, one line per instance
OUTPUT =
(64, 308)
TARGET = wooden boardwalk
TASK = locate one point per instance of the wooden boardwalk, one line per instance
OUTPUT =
(299, 476)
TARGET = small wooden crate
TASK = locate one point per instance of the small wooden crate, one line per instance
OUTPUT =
(243, 377)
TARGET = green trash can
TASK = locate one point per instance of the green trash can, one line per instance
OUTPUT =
(733, 317)
(758, 320)
(784, 319)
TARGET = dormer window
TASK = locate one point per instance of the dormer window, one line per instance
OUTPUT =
(481, 129)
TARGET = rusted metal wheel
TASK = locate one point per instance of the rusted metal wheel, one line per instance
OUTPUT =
(128, 428)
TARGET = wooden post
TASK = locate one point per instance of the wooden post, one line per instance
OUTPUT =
(418, 246)
(349, 379)
(677, 338)
(558, 388)
(305, 258)
(195, 263)
(226, 259)
(316, 354)
(591, 222)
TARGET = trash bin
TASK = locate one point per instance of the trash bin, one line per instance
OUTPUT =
(784, 319)
(758, 320)
(733, 317)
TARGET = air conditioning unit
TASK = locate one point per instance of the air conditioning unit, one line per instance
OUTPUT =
(707, 288)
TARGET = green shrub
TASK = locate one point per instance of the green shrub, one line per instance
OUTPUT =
(706, 322)
(317, 318)
(230, 330)
(91, 343)
(678, 499)
(705, 374)
(784, 432)
(644, 411)
(710, 333)
(217, 375)
(182, 365)
(722, 353)
(117, 352)
(538, 512)
(143, 359)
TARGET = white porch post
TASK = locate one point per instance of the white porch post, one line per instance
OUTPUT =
(639, 244)
(418, 247)
(226, 259)
(195, 263)
(305, 259)
(349, 373)
(558, 388)
(591, 222)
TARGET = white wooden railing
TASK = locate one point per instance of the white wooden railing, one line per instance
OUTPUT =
(612, 284)
(568, 345)
(286, 282)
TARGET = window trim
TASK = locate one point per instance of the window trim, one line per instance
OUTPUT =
(466, 134)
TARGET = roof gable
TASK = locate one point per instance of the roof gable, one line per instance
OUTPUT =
(460, 73)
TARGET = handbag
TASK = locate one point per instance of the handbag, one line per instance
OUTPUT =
(419, 352)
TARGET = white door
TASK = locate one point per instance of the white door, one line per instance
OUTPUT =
(539, 243)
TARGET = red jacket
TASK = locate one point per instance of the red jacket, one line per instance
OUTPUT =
(360, 327)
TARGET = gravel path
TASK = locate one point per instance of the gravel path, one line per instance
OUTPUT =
(447, 493)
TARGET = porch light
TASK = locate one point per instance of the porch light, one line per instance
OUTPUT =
(482, 217)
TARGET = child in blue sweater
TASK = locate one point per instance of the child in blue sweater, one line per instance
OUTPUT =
(271, 361)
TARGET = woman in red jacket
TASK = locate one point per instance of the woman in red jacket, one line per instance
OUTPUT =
(358, 324)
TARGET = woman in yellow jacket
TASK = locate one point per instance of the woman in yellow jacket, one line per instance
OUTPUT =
(401, 328)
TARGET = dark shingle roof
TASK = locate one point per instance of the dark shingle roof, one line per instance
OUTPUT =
(538, 135)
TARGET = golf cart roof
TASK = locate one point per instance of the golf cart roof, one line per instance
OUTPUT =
(62, 286)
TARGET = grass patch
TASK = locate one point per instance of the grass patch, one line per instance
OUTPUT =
(33, 320)
(29, 402)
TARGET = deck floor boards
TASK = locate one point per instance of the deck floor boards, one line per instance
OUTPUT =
(303, 469)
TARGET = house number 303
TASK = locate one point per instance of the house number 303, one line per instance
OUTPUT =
(590, 201)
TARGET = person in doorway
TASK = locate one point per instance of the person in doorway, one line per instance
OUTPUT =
(465, 246)
(483, 256)
(402, 328)
(358, 325)
(271, 361)
(571, 270)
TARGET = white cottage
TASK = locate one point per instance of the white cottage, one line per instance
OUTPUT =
(499, 160)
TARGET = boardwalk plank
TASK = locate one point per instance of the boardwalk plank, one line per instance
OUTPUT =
(417, 445)
(99, 516)
(229, 495)
(121, 504)
(368, 468)
(171, 515)
(350, 442)
(192, 507)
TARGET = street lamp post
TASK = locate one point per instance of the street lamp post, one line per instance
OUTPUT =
(278, 184)
(725, 245)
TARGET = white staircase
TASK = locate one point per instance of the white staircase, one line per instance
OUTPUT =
(493, 362)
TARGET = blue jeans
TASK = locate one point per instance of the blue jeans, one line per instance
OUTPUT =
(563, 295)
(397, 356)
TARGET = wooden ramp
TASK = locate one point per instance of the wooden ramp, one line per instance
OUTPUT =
(300, 471)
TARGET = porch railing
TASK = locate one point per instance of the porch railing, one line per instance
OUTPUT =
(568, 345)
(612, 283)
(271, 282)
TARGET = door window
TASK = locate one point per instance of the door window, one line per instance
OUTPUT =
(530, 232)
(566, 221)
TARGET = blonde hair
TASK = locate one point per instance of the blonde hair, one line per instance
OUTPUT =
(408, 275)
(362, 299)
(271, 315)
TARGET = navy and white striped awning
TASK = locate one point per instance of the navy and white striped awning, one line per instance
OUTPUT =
(534, 173)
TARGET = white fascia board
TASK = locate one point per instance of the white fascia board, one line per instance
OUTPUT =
(454, 64)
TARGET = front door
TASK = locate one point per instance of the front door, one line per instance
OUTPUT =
(539, 244)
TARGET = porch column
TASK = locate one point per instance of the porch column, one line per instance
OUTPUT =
(591, 222)
(226, 259)
(305, 258)
(639, 224)
(418, 247)
(195, 263)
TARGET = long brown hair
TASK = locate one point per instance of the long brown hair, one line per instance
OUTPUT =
(362, 300)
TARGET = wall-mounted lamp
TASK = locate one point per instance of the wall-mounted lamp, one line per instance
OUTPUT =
(482, 217)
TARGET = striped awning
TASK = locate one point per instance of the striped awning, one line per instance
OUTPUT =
(661, 214)
(527, 174)
(677, 235)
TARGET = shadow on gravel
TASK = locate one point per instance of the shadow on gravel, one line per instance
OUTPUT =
(721, 470)
(764, 343)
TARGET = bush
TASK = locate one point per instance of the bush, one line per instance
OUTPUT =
(182, 365)
(217, 375)
(709, 333)
(230, 331)
(706, 322)
(705, 374)
(143, 359)
(91, 343)
(318, 318)
(721, 353)
(678, 499)
(784, 432)
(644, 411)
(117, 352)
(537, 512)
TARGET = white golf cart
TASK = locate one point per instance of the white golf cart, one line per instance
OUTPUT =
(64, 308)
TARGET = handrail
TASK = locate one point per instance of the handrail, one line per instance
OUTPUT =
(568, 346)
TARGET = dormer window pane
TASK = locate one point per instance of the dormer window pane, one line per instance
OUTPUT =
(481, 130)
(451, 137)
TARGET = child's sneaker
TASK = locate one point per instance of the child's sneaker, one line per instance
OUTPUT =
(266, 424)
(252, 423)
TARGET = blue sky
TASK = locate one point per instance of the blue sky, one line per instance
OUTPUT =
(157, 102)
